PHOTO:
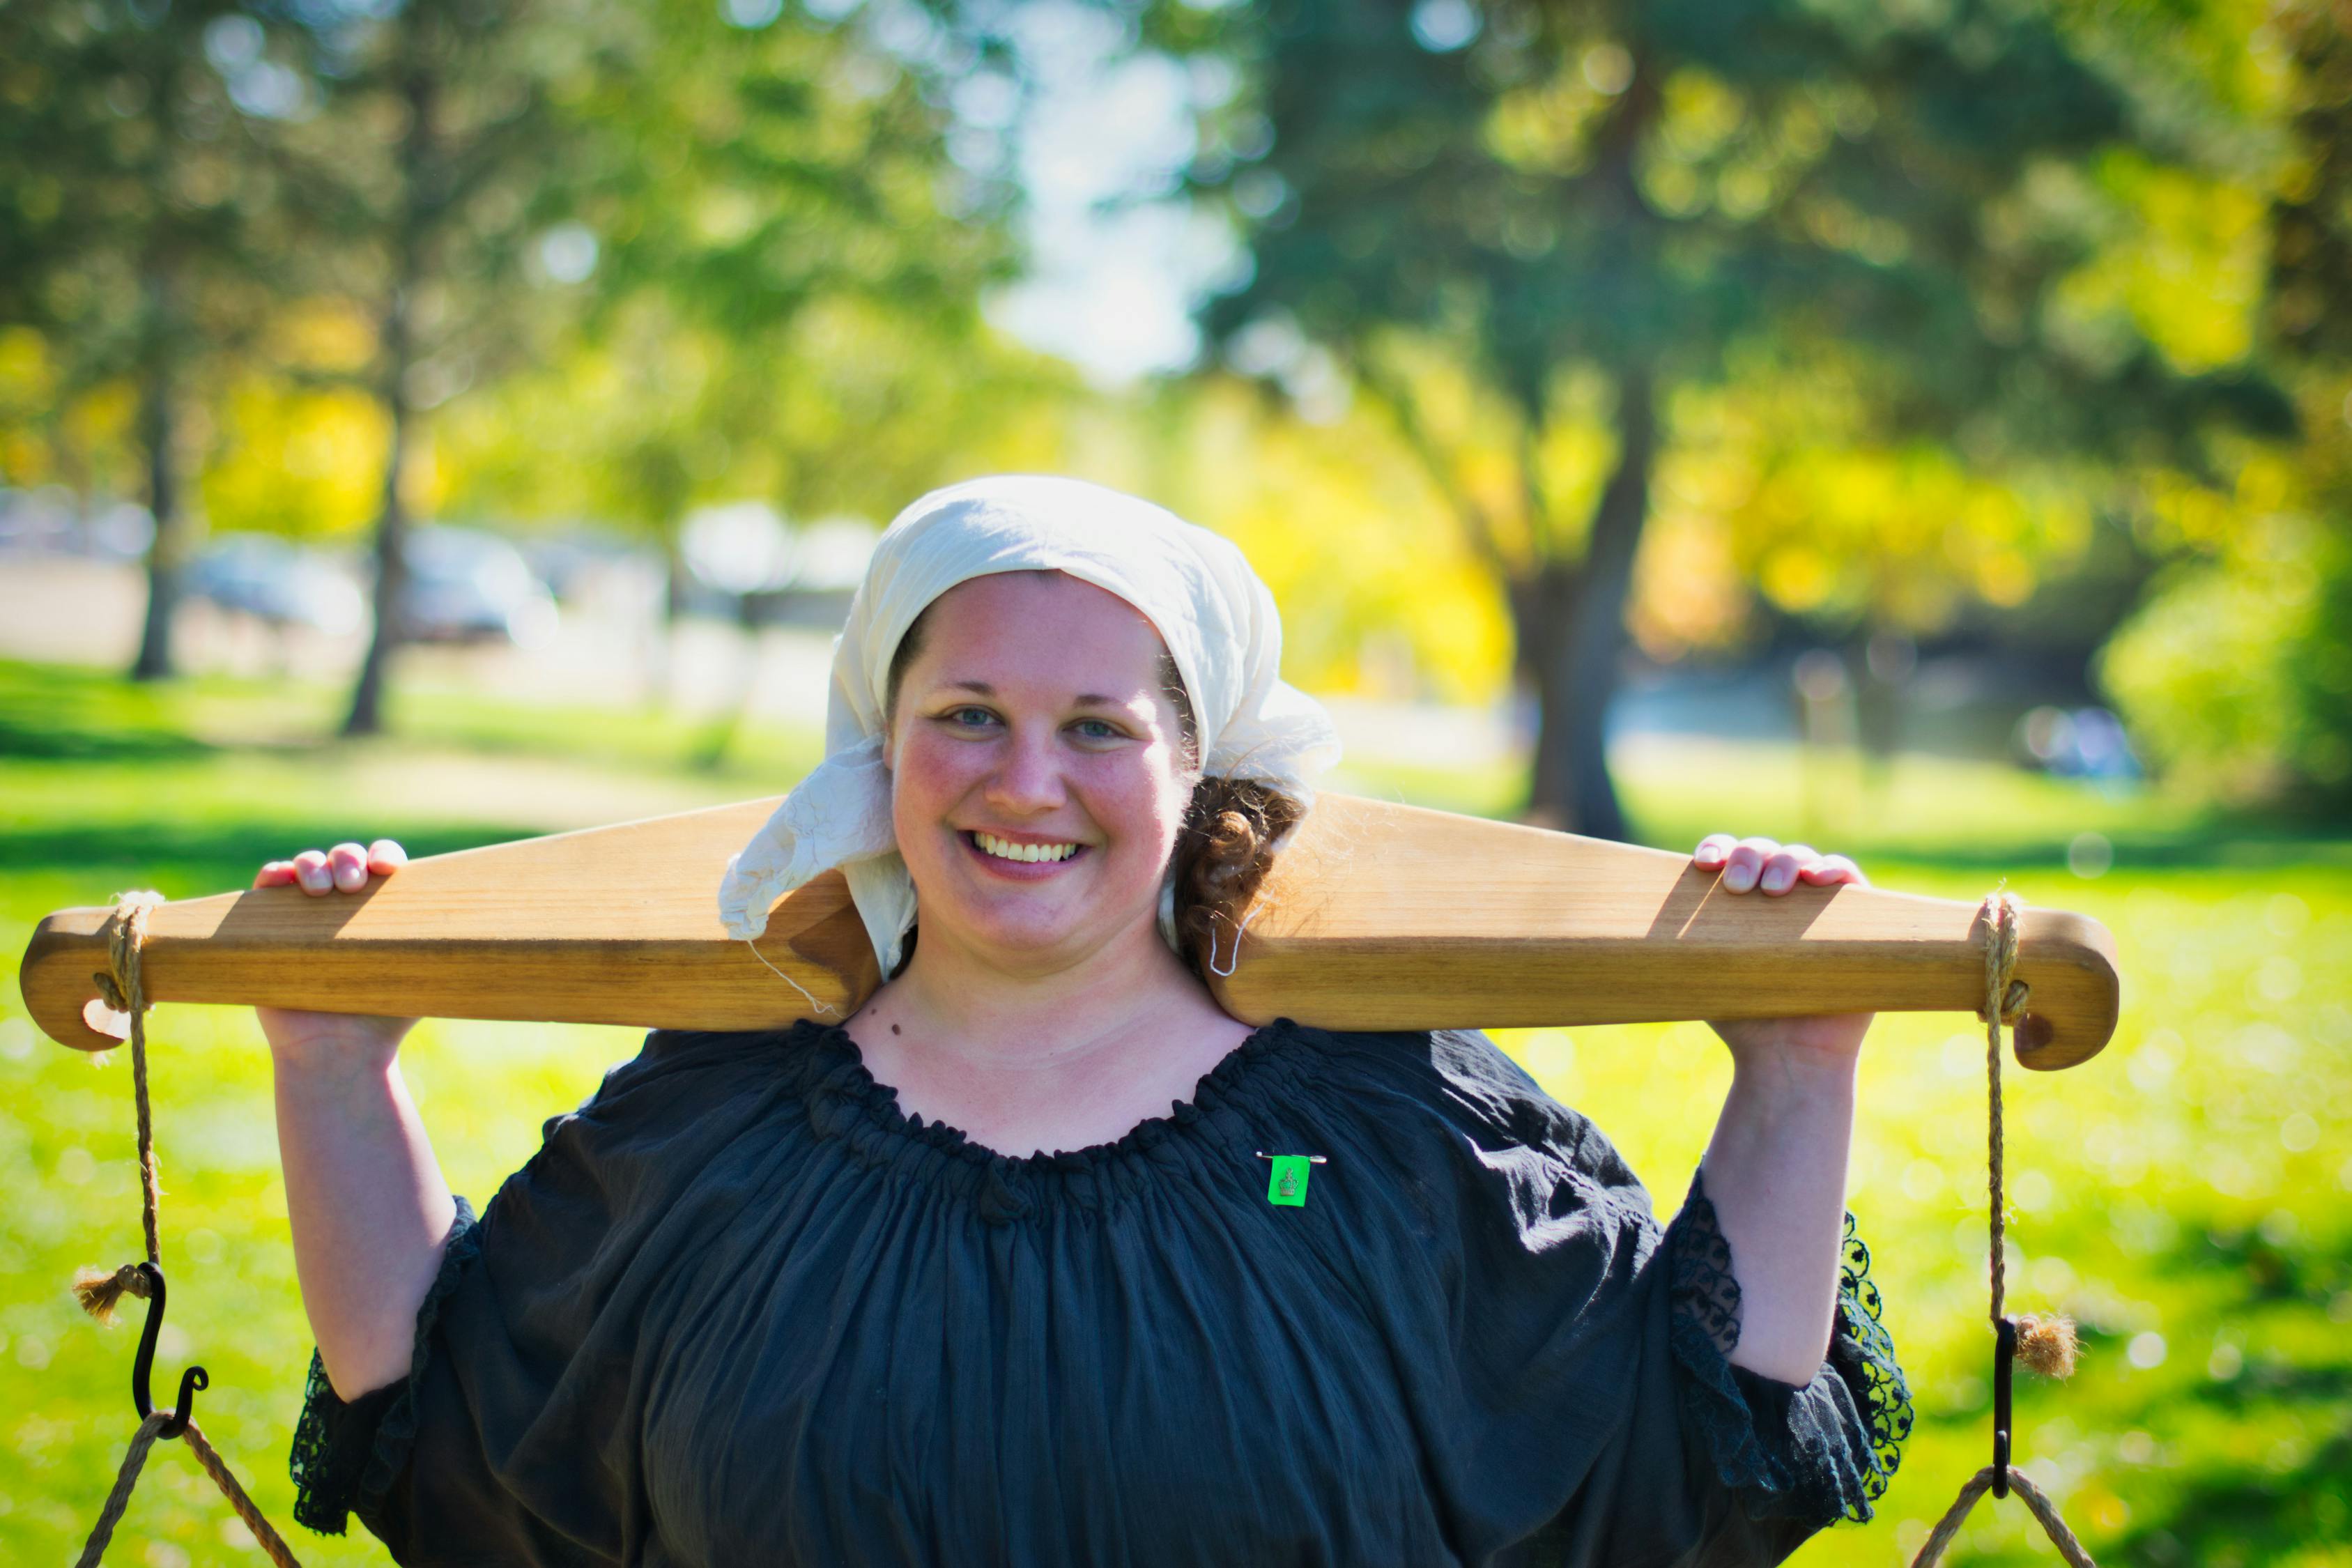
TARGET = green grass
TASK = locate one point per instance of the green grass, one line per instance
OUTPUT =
(2192, 1183)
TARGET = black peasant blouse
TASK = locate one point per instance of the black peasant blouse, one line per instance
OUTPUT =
(740, 1309)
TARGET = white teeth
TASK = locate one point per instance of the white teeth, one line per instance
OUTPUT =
(1006, 849)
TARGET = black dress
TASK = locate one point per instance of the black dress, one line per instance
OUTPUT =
(740, 1309)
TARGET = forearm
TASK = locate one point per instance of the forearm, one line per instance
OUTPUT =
(368, 1206)
(1776, 1173)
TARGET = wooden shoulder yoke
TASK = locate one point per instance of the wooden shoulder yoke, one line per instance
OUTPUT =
(1375, 917)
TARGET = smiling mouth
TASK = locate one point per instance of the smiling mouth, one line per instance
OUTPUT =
(1006, 851)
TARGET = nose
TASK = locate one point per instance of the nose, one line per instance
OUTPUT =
(1028, 780)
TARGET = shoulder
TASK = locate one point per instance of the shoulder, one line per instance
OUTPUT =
(1450, 1100)
(685, 1096)
(686, 1127)
(1469, 1175)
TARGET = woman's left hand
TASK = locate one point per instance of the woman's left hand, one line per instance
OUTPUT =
(1751, 864)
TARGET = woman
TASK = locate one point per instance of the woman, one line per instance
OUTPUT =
(992, 1271)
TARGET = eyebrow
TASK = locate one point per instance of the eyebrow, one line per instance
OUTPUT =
(1084, 699)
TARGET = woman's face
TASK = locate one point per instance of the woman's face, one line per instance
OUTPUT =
(1038, 767)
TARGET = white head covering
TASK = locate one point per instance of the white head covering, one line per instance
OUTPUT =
(1210, 608)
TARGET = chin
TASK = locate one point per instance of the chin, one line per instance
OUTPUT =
(1034, 933)
(1032, 936)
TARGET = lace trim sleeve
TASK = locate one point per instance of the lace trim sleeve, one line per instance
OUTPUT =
(347, 1455)
(1824, 1451)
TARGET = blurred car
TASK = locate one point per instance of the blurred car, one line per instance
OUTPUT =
(276, 581)
(469, 586)
(2086, 743)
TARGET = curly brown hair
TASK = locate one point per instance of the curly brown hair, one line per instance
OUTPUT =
(1226, 844)
(1223, 853)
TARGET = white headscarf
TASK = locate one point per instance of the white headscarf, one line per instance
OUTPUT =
(1210, 609)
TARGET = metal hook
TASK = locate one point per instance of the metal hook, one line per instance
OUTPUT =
(2004, 1356)
(143, 1368)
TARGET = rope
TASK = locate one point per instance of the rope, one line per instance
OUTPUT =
(120, 987)
(2046, 1344)
(134, 1459)
(99, 1293)
(2004, 1000)
(2043, 1509)
(215, 1467)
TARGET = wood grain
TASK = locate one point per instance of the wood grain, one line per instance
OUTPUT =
(1377, 916)
(1380, 916)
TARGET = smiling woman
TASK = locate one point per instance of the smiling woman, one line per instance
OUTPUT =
(1021, 795)
(1041, 785)
(1042, 1258)
(1231, 826)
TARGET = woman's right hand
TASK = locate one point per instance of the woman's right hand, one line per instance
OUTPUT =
(351, 1039)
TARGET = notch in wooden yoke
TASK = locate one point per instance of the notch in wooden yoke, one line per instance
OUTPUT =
(1376, 916)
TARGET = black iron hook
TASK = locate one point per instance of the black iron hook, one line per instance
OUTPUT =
(2004, 1356)
(143, 1368)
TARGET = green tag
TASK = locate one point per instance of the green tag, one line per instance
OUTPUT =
(1286, 1186)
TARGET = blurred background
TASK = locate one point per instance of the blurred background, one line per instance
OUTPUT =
(1922, 430)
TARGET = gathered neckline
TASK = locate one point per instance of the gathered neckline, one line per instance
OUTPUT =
(849, 1078)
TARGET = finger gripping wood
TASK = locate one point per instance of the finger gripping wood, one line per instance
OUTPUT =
(1377, 916)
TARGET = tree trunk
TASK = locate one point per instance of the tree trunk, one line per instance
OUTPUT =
(366, 715)
(1580, 634)
(167, 551)
(1542, 606)
(417, 169)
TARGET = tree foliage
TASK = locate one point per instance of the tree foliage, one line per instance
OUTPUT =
(137, 241)
(1529, 232)
(2238, 670)
(739, 215)
(785, 296)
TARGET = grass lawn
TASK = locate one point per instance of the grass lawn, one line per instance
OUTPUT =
(2185, 1194)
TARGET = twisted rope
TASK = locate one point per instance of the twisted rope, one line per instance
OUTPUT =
(120, 987)
(99, 1293)
(2005, 997)
(134, 1459)
(2046, 1344)
(2043, 1509)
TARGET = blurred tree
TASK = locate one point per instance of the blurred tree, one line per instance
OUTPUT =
(439, 158)
(709, 192)
(852, 409)
(135, 220)
(785, 295)
(793, 256)
(2238, 669)
(1524, 229)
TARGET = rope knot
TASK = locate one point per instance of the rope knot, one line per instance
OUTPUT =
(109, 992)
(2005, 994)
(124, 937)
(99, 1291)
(2046, 1343)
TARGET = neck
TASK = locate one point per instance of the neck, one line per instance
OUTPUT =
(1054, 1057)
(966, 1004)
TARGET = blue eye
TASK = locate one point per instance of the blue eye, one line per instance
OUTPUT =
(967, 718)
(1099, 729)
